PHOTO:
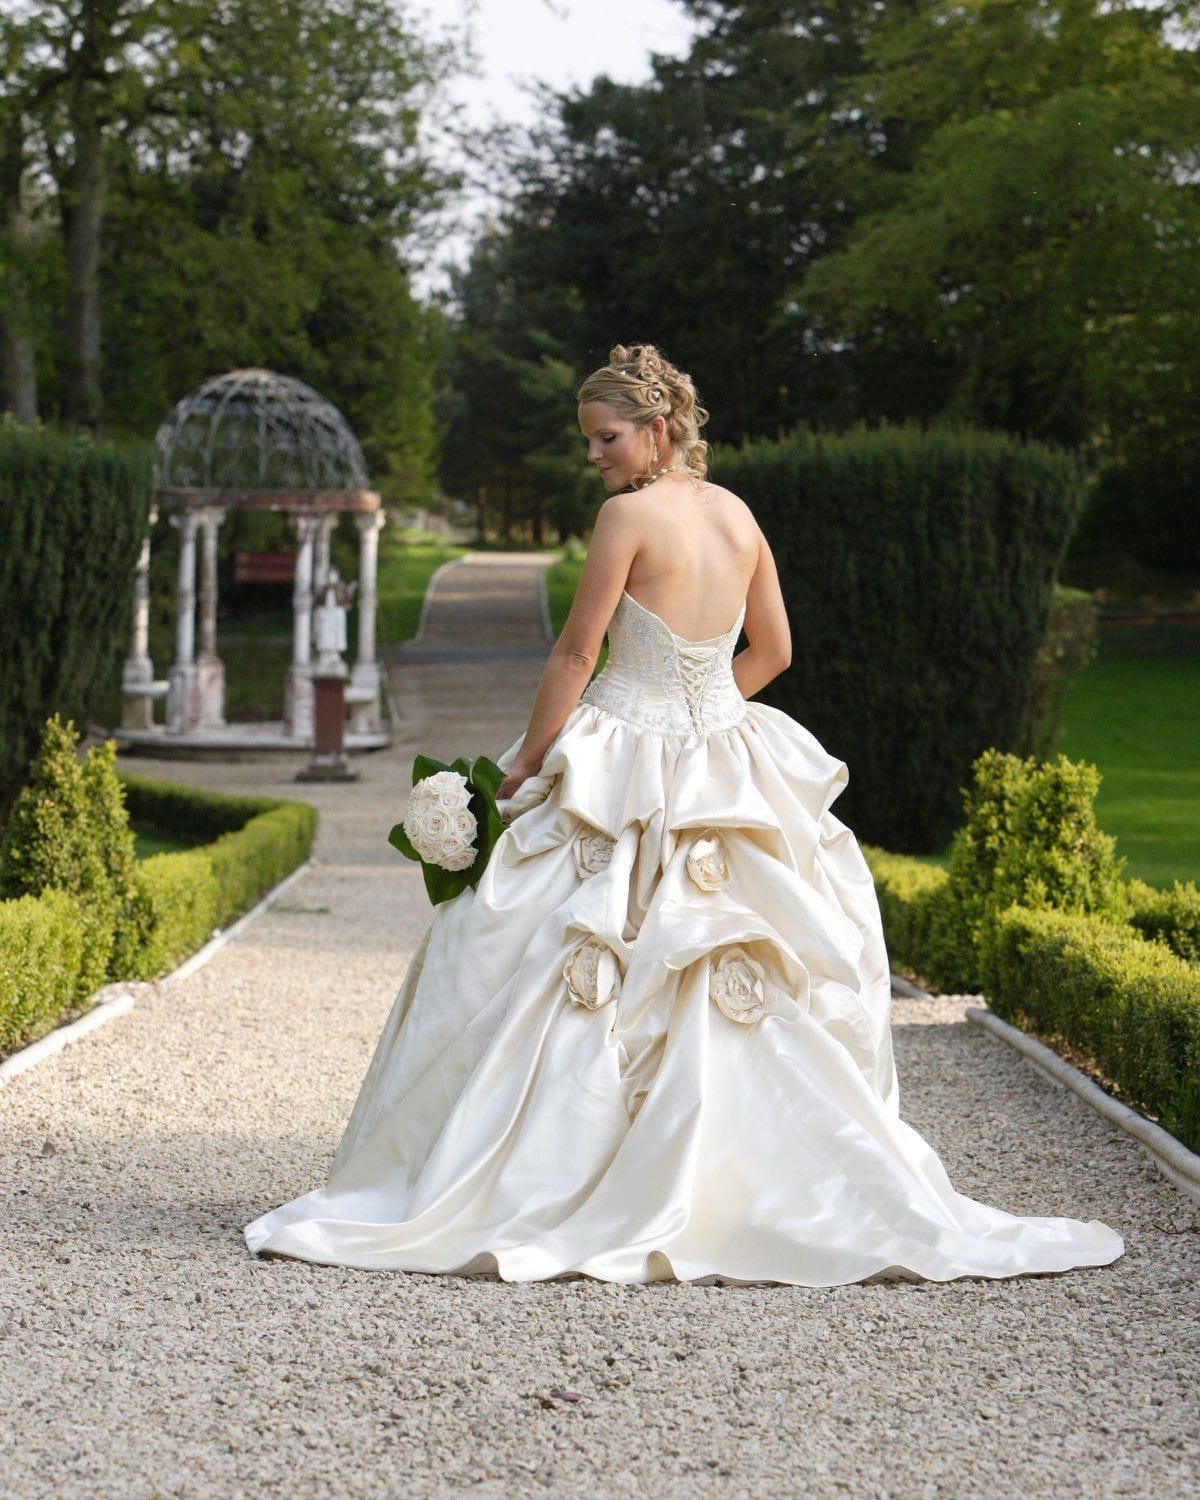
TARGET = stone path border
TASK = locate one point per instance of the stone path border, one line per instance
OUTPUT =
(114, 1000)
(1170, 1156)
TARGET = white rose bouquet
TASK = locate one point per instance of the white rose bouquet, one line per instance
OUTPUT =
(451, 822)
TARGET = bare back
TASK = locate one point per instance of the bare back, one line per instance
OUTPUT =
(691, 555)
(697, 552)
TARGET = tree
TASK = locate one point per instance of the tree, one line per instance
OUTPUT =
(1042, 236)
(238, 184)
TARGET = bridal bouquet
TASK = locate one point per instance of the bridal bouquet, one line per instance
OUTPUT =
(453, 820)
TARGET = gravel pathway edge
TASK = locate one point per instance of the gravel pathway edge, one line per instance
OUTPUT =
(107, 1007)
(1179, 1165)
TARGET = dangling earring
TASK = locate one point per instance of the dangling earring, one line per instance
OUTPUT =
(654, 457)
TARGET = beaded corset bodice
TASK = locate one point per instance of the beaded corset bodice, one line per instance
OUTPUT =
(655, 679)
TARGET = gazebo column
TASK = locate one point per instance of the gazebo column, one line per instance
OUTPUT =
(298, 689)
(365, 682)
(182, 705)
(137, 673)
(325, 529)
(210, 671)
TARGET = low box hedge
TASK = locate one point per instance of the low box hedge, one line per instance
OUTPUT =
(180, 899)
(183, 897)
(1125, 994)
(41, 963)
(1130, 1004)
(913, 903)
(1172, 916)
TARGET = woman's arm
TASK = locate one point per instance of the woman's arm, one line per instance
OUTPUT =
(766, 627)
(613, 546)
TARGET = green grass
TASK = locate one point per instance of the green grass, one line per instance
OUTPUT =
(1135, 713)
(407, 560)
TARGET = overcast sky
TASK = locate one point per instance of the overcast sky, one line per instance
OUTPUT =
(565, 43)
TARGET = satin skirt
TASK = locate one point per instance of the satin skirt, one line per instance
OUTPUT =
(504, 1127)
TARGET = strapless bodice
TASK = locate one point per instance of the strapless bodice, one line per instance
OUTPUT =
(655, 679)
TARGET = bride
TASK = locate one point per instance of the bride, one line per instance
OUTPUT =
(654, 1041)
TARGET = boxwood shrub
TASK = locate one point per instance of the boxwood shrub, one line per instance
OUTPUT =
(1033, 913)
(177, 902)
(1130, 1004)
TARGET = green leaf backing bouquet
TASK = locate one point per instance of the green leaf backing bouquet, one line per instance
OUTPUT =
(451, 823)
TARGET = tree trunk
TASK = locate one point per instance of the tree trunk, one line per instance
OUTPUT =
(20, 367)
(83, 219)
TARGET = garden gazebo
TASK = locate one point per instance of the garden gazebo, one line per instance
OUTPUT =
(254, 440)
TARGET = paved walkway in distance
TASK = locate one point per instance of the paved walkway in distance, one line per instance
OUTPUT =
(144, 1352)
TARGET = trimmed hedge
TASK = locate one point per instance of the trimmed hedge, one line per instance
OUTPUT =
(1033, 913)
(914, 903)
(1173, 917)
(180, 900)
(73, 513)
(41, 965)
(917, 566)
(1130, 1004)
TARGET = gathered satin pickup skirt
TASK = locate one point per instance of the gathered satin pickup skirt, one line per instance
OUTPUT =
(654, 1042)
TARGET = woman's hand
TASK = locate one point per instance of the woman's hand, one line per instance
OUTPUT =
(517, 773)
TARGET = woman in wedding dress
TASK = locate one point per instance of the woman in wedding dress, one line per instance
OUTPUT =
(654, 1041)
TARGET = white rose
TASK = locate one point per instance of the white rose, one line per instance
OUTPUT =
(736, 985)
(592, 973)
(441, 836)
(593, 850)
(448, 788)
(435, 822)
(706, 862)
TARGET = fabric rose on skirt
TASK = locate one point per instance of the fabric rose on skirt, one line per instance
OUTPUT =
(736, 985)
(706, 861)
(592, 973)
(593, 850)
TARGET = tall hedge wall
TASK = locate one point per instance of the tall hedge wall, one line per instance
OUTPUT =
(72, 516)
(917, 567)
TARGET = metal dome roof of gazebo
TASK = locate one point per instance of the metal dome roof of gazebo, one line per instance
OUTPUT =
(260, 440)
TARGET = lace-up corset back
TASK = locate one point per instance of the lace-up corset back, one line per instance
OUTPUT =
(658, 680)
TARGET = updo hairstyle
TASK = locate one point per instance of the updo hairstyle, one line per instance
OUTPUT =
(639, 384)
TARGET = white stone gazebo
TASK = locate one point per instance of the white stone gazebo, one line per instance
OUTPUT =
(253, 440)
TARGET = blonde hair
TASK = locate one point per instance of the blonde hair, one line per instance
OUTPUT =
(640, 384)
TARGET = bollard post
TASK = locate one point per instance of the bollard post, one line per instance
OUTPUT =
(329, 761)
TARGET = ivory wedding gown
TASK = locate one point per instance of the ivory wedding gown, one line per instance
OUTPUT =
(654, 1040)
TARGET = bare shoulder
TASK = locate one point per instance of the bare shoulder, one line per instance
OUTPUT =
(734, 501)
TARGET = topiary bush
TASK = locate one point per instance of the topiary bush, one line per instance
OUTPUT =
(68, 832)
(1030, 837)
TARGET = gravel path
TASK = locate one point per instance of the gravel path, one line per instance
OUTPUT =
(144, 1352)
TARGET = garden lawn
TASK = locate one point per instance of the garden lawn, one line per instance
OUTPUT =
(407, 561)
(1135, 712)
